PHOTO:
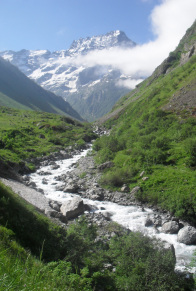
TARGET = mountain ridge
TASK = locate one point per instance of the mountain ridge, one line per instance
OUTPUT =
(18, 91)
(78, 84)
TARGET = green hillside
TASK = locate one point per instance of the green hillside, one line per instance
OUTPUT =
(36, 254)
(18, 91)
(153, 129)
(25, 135)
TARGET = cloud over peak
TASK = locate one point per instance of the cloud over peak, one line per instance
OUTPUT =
(169, 21)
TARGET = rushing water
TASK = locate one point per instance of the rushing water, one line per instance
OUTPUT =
(131, 217)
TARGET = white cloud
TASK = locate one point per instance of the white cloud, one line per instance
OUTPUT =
(170, 20)
(128, 83)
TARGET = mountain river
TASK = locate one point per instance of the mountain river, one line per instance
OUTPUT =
(131, 217)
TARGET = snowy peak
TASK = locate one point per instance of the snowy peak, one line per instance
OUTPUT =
(91, 89)
(111, 39)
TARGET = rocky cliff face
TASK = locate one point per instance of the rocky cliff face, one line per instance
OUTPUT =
(91, 90)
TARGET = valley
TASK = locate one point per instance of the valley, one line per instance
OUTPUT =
(91, 90)
(134, 187)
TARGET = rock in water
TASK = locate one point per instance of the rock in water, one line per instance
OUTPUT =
(170, 227)
(187, 235)
(72, 208)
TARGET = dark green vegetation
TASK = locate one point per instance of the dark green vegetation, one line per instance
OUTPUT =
(18, 91)
(154, 130)
(74, 259)
(28, 134)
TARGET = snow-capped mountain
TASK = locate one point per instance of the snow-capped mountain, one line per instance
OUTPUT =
(90, 89)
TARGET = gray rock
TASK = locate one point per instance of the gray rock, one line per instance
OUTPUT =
(53, 213)
(55, 205)
(125, 188)
(158, 221)
(32, 185)
(59, 187)
(71, 188)
(171, 227)
(145, 178)
(90, 207)
(187, 235)
(135, 190)
(148, 222)
(142, 173)
(96, 194)
(55, 167)
(44, 181)
(72, 208)
(107, 215)
(106, 165)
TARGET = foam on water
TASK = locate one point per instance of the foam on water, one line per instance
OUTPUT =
(132, 217)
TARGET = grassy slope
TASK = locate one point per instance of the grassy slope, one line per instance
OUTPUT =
(18, 91)
(36, 254)
(154, 130)
(28, 134)
(75, 259)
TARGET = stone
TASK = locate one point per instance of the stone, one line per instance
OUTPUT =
(106, 165)
(157, 221)
(55, 205)
(53, 213)
(32, 185)
(71, 188)
(145, 178)
(187, 235)
(148, 222)
(142, 173)
(135, 190)
(55, 167)
(107, 215)
(170, 227)
(96, 194)
(72, 208)
(44, 181)
(125, 188)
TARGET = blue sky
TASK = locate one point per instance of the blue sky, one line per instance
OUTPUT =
(54, 24)
(155, 25)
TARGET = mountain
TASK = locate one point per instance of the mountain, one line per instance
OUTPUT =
(152, 141)
(91, 90)
(18, 91)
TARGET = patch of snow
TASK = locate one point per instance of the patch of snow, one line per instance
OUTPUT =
(94, 83)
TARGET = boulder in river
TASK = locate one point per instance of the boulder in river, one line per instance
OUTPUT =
(72, 208)
(187, 235)
(55, 205)
(148, 222)
(170, 227)
(96, 194)
(71, 188)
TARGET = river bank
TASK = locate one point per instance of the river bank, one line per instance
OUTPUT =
(67, 176)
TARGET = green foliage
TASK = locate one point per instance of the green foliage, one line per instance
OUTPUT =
(18, 216)
(142, 264)
(162, 143)
(128, 262)
(26, 134)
